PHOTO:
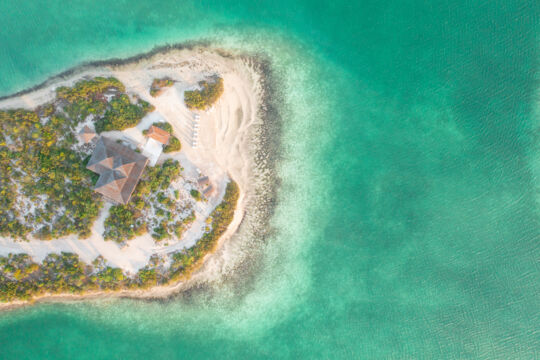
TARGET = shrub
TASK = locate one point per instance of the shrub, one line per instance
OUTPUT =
(121, 115)
(121, 224)
(158, 85)
(51, 169)
(173, 145)
(86, 96)
(222, 216)
(195, 194)
(206, 96)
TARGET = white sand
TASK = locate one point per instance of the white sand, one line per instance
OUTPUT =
(224, 145)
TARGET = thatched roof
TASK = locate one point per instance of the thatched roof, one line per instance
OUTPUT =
(119, 167)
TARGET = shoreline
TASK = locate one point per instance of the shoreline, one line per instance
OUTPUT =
(251, 220)
(88, 65)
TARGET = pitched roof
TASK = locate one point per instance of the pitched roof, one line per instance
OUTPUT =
(158, 134)
(87, 134)
(204, 181)
(119, 167)
(209, 191)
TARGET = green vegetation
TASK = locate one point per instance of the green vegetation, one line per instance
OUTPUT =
(44, 188)
(158, 85)
(23, 279)
(122, 114)
(89, 89)
(195, 194)
(173, 145)
(87, 96)
(160, 177)
(123, 223)
(185, 261)
(206, 96)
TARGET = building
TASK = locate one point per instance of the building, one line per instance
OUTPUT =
(203, 182)
(87, 134)
(158, 135)
(154, 144)
(209, 191)
(205, 187)
(119, 169)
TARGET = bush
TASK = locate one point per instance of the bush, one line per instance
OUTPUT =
(173, 145)
(121, 115)
(195, 194)
(86, 97)
(21, 278)
(89, 89)
(206, 96)
(222, 216)
(121, 224)
(159, 178)
(158, 85)
(42, 152)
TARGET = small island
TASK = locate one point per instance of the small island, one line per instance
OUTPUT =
(124, 177)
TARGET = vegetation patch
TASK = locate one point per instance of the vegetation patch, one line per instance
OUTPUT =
(44, 188)
(195, 194)
(122, 114)
(158, 85)
(184, 261)
(88, 96)
(23, 279)
(206, 96)
(173, 145)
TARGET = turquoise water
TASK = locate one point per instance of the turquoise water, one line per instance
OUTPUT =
(407, 223)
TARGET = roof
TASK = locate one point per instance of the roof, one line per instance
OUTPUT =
(87, 134)
(119, 167)
(203, 181)
(209, 191)
(158, 134)
(152, 149)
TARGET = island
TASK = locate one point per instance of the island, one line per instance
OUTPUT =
(123, 177)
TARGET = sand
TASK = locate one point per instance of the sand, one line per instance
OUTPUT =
(224, 147)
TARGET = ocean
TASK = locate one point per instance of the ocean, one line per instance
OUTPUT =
(407, 214)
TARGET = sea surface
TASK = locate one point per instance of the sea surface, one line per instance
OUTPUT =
(407, 223)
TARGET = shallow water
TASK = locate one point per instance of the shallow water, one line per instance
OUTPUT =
(407, 223)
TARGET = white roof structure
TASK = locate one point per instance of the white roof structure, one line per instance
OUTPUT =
(152, 149)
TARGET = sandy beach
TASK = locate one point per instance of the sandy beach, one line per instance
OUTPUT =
(227, 145)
